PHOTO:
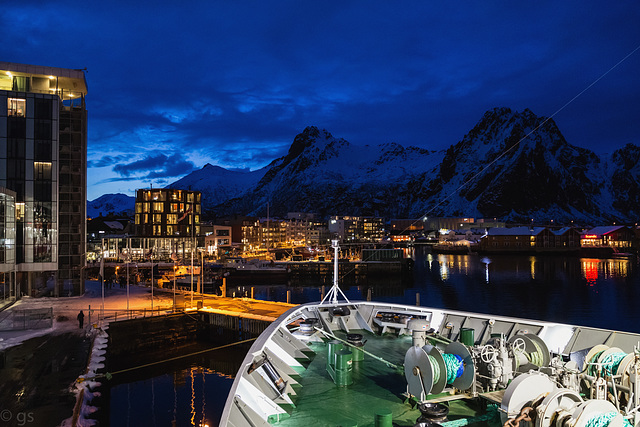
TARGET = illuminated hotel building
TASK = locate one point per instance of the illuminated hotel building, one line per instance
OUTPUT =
(43, 160)
(166, 212)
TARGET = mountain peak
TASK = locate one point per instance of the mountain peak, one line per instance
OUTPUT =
(305, 139)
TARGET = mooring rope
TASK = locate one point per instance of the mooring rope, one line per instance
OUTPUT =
(109, 375)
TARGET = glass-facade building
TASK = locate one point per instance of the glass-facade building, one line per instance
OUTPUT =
(167, 212)
(7, 245)
(43, 152)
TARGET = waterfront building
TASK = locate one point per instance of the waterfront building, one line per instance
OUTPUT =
(318, 234)
(447, 223)
(608, 236)
(355, 229)
(7, 244)
(405, 230)
(245, 232)
(43, 160)
(566, 238)
(517, 239)
(167, 212)
(218, 240)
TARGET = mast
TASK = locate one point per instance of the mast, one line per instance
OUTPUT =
(332, 295)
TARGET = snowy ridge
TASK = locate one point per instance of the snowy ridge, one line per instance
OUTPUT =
(218, 184)
(512, 165)
(118, 204)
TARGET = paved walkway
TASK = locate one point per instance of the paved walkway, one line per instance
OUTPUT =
(66, 309)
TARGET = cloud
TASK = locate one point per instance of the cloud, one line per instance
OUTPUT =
(105, 161)
(155, 166)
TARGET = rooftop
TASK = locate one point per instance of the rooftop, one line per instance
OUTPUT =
(67, 83)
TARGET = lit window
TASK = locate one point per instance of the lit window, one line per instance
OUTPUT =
(16, 107)
(158, 207)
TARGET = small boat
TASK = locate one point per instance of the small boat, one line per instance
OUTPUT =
(357, 363)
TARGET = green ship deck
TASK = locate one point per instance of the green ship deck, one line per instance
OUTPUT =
(486, 370)
(377, 389)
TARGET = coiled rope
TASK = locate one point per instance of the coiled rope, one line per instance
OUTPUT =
(603, 420)
(611, 362)
(536, 357)
(454, 366)
(593, 368)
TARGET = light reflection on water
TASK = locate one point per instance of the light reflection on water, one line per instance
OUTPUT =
(188, 397)
(583, 291)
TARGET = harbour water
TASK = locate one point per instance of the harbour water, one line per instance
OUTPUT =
(603, 293)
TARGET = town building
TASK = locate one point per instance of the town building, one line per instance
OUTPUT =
(447, 223)
(566, 238)
(43, 160)
(218, 241)
(7, 245)
(517, 239)
(616, 236)
(355, 229)
(405, 230)
(167, 212)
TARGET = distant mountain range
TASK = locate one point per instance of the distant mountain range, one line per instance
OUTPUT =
(512, 165)
(115, 204)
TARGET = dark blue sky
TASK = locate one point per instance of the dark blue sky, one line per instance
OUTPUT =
(174, 85)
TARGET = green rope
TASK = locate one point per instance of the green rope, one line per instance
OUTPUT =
(453, 364)
(611, 362)
(603, 420)
(435, 368)
(536, 358)
(593, 368)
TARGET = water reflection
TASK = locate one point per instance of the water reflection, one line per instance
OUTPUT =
(594, 269)
(583, 291)
(194, 396)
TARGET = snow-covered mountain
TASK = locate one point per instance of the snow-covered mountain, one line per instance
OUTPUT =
(217, 184)
(512, 165)
(516, 166)
(117, 204)
(329, 176)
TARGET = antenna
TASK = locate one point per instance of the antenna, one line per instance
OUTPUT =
(332, 295)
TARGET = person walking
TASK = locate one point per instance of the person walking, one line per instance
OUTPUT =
(81, 318)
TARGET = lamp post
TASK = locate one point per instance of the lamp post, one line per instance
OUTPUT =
(102, 275)
(193, 217)
(174, 257)
(151, 259)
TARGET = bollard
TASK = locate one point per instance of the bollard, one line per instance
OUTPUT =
(369, 294)
(288, 296)
(322, 293)
(418, 299)
(252, 294)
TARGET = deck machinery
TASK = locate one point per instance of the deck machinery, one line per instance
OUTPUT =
(355, 357)
(599, 387)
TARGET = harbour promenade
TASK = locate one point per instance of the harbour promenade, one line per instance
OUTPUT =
(43, 350)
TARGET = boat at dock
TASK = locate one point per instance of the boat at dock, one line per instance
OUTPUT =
(358, 363)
